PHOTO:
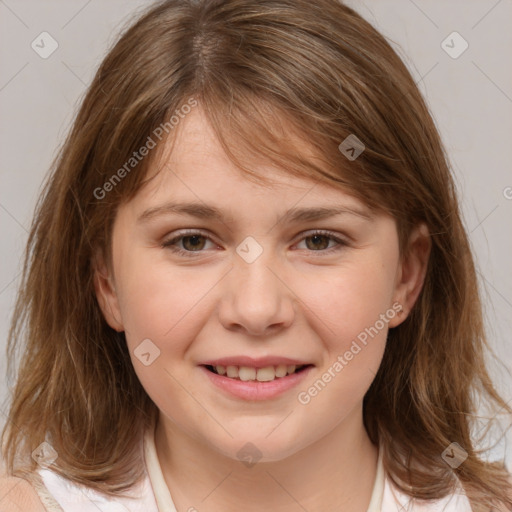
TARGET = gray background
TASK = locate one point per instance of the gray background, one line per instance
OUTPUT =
(470, 97)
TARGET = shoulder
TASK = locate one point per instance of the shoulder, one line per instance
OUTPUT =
(454, 502)
(18, 494)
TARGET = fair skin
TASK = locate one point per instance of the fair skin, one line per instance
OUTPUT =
(298, 299)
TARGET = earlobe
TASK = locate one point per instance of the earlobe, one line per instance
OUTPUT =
(411, 272)
(106, 293)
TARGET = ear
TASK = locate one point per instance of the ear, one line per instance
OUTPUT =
(411, 272)
(104, 287)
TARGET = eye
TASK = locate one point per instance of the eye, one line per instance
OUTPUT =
(318, 241)
(193, 242)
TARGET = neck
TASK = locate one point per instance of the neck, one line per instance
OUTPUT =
(335, 472)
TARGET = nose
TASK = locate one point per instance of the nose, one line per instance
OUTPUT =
(256, 300)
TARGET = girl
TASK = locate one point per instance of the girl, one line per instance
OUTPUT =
(247, 284)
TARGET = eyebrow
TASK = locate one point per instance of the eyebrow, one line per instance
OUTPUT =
(208, 212)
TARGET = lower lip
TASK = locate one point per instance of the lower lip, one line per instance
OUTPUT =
(255, 390)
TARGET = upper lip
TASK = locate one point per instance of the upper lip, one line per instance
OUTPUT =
(254, 362)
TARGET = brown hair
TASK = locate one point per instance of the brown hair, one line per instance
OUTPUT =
(250, 64)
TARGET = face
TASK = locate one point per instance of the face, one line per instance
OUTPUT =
(242, 284)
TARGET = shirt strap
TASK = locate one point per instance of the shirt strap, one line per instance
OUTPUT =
(48, 501)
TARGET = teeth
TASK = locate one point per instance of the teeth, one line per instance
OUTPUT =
(266, 374)
(232, 371)
(220, 370)
(281, 370)
(246, 373)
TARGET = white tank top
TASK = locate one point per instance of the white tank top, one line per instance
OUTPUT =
(152, 494)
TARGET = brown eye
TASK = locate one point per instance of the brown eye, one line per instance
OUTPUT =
(322, 242)
(193, 242)
(188, 244)
(318, 242)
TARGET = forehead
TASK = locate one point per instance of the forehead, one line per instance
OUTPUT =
(194, 167)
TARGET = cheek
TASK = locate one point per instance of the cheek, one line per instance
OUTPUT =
(164, 307)
(351, 314)
(348, 300)
(162, 303)
(352, 310)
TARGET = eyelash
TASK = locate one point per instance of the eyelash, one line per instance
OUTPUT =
(169, 244)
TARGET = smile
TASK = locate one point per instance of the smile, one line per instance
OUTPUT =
(254, 384)
(247, 373)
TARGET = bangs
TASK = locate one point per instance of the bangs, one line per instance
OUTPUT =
(256, 132)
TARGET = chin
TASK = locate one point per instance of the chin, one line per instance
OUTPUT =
(252, 446)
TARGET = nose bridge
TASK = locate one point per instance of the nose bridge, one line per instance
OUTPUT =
(255, 298)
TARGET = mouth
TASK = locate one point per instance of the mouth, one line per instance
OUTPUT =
(264, 374)
(261, 381)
